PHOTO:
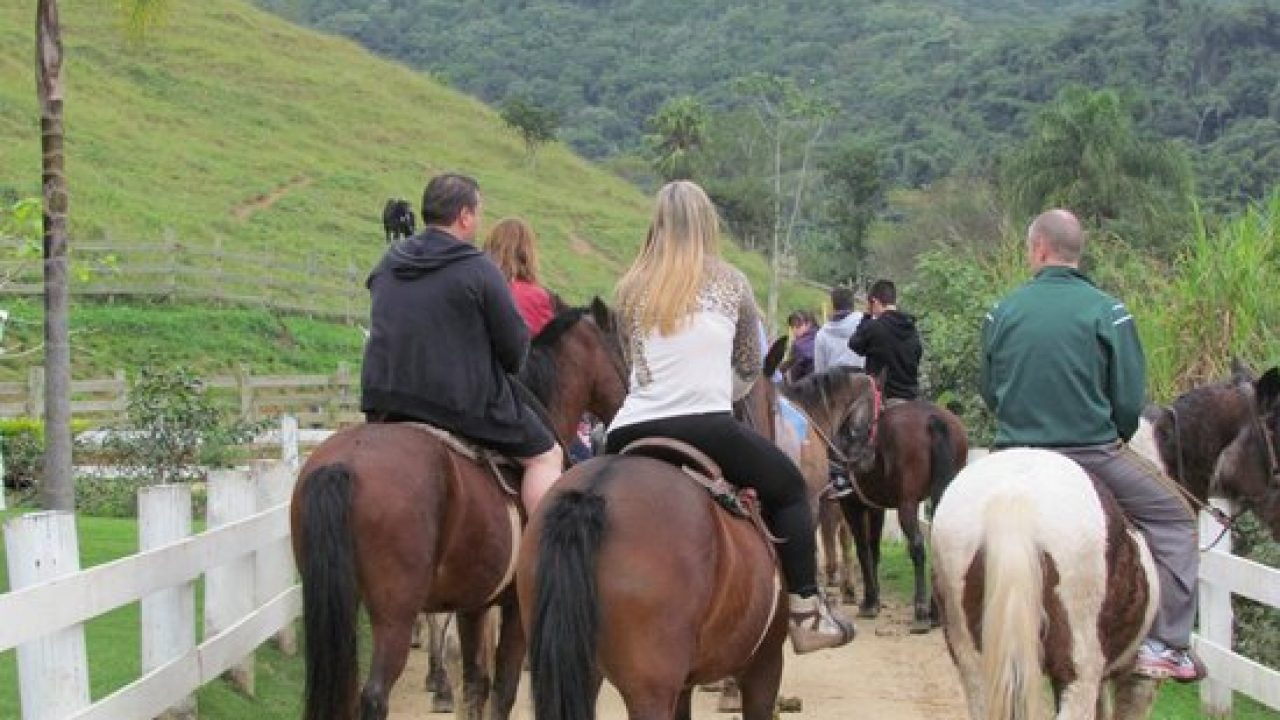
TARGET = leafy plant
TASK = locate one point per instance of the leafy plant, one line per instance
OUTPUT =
(174, 429)
(536, 125)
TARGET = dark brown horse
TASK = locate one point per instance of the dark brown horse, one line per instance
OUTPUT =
(1214, 441)
(630, 572)
(899, 459)
(392, 516)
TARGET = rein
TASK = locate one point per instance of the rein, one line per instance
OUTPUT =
(831, 446)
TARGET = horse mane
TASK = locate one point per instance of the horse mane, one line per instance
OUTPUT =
(539, 372)
(815, 388)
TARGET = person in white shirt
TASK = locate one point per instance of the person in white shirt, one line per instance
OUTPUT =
(831, 349)
(692, 340)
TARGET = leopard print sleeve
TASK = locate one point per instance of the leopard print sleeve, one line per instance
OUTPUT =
(747, 339)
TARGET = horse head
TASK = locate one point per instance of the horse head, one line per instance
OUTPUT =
(1248, 468)
(842, 404)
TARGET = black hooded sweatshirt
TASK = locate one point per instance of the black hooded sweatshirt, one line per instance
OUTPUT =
(892, 343)
(444, 335)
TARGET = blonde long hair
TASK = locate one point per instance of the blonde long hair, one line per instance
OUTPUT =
(514, 247)
(661, 288)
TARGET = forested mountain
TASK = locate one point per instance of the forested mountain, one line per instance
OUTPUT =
(937, 85)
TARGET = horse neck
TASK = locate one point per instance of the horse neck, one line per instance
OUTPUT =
(583, 382)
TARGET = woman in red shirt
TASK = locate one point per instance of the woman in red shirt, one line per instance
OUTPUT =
(513, 246)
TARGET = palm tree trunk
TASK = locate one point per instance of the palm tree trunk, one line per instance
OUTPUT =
(57, 492)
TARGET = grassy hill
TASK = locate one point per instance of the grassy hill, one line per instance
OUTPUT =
(233, 129)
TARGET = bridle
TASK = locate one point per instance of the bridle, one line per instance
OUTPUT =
(1228, 521)
(833, 450)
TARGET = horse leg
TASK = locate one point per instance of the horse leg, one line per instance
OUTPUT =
(1080, 698)
(510, 655)
(761, 680)
(909, 519)
(848, 591)
(829, 528)
(437, 676)
(1134, 695)
(684, 706)
(475, 662)
(655, 702)
(861, 519)
(392, 632)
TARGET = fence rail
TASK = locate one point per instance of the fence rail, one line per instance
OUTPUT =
(331, 289)
(315, 400)
(251, 594)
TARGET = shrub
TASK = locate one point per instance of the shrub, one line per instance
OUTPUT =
(22, 441)
(173, 429)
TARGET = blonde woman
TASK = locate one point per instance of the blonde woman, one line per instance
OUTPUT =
(514, 247)
(694, 348)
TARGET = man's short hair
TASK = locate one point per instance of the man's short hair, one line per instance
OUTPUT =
(1062, 232)
(884, 291)
(445, 197)
(841, 299)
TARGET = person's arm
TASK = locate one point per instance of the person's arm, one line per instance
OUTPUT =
(861, 338)
(986, 383)
(508, 335)
(746, 356)
(1126, 369)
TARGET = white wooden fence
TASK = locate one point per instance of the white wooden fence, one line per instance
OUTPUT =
(250, 594)
(1222, 575)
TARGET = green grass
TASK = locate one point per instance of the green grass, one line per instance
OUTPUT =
(226, 103)
(1175, 702)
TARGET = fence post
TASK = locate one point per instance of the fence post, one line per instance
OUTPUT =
(245, 383)
(169, 615)
(122, 394)
(1216, 618)
(228, 590)
(338, 393)
(273, 564)
(35, 392)
(53, 672)
(289, 443)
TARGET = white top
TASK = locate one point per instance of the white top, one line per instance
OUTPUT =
(831, 344)
(712, 360)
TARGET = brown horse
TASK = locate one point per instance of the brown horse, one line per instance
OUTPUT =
(393, 516)
(1211, 440)
(630, 572)
(898, 460)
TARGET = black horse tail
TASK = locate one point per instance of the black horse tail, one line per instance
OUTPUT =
(329, 599)
(566, 616)
(941, 461)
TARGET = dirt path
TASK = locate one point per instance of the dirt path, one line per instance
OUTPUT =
(885, 674)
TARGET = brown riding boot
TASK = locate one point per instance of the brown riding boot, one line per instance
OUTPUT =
(814, 626)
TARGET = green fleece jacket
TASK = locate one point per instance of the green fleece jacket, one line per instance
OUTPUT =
(1062, 364)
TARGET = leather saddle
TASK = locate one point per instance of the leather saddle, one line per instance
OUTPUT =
(741, 502)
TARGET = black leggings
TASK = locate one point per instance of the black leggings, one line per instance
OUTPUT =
(748, 459)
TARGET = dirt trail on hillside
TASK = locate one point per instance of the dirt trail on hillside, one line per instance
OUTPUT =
(885, 674)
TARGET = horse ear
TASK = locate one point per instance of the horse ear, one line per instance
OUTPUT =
(602, 315)
(1241, 373)
(1267, 391)
(773, 358)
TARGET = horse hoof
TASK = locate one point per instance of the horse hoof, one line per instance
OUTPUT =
(920, 627)
(790, 705)
(869, 611)
(441, 705)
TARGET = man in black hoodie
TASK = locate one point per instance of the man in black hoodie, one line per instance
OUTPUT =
(445, 337)
(891, 344)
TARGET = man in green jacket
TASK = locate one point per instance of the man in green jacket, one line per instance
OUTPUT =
(1062, 368)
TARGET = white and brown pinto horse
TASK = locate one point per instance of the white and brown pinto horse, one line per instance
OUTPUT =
(1039, 575)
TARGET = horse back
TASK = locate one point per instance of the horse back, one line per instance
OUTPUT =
(904, 464)
(676, 573)
(422, 514)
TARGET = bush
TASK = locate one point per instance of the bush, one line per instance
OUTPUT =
(22, 441)
(1257, 625)
(173, 430)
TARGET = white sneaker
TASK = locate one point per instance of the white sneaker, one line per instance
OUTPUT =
(814, 626)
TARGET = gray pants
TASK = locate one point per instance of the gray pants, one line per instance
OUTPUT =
(1167, 523)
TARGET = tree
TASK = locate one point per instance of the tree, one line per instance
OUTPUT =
(1084, 154)
(788, 114)
(679, 131)
(58, 491)
(854, 175)
(536, 125)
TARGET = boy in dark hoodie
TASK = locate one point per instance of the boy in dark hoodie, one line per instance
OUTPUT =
(445, 336)
(890, 342)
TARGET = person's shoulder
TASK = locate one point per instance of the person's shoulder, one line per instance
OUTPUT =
(721, 277)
